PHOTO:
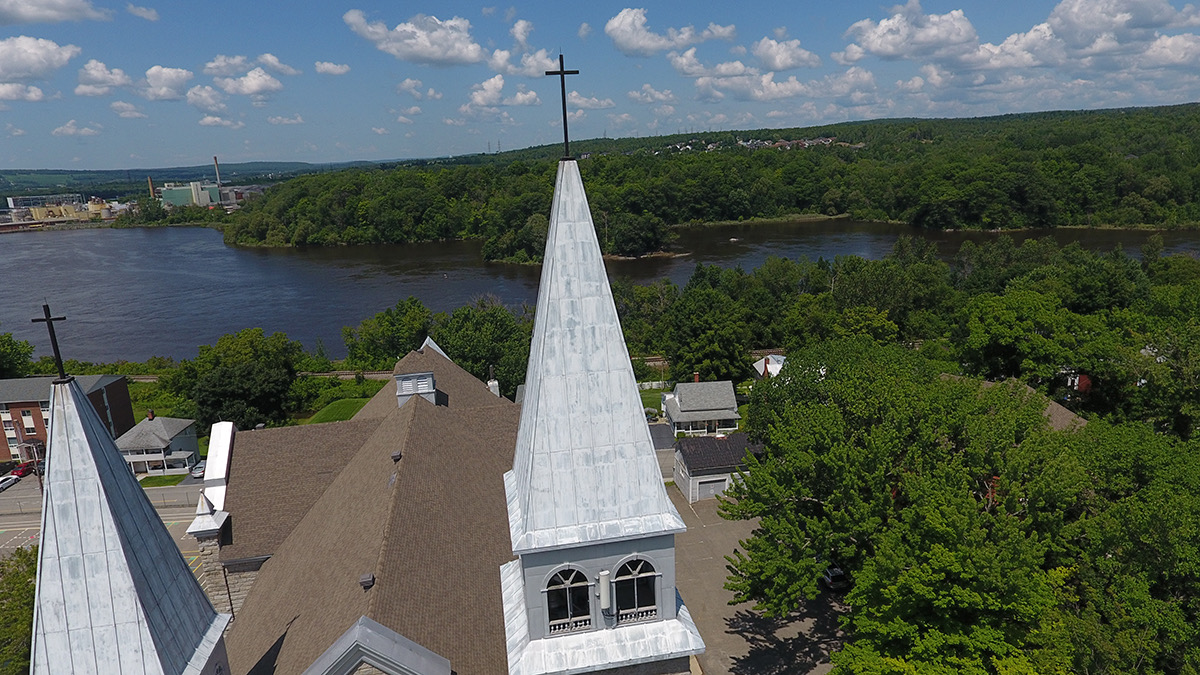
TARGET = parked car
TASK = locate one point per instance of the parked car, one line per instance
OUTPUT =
(23, 469)
(198, 470)
(835, 579)
(8, 481)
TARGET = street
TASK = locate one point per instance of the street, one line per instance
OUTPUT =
(21, 513)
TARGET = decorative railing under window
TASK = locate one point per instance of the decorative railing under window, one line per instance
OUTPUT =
(635, 583)
(568, 597)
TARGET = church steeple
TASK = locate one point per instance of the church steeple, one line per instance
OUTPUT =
(589, 516)
(114, 594)
(585, 469)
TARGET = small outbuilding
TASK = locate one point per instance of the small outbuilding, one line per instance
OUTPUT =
(768, 366)
(160, 446)
(701, 408)
(705, 465)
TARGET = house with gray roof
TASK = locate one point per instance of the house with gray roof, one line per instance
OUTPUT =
(701, 408)
(705, 466)
(160, 446)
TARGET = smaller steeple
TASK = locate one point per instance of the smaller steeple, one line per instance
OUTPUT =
(114, 594)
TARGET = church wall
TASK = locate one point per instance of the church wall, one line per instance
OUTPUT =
(211, 574)
(239, 577)
(539, 567)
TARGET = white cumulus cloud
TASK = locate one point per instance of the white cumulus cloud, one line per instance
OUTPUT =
(329, 68)
(520, 32)
(71, 129)
(271, 61)
(411, 110)
(585, 29)
(206, 98)
(27, 58)
(147, 13)
(785, 55)
(165, 84)
(126, 110)
(421, 39)
(13, 91)
(217, 121)
(96, 79)
(523, 97)
(380, 130)
(256, 82)
(294, 119)
(629, 33)
(227, 65)
(49, 11)
(533, 64)
(576, 100)
(648, 94)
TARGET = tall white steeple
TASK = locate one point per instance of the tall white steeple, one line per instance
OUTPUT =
(589, 516)
(114, 594)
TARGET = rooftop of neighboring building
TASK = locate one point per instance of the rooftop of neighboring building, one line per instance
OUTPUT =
(22, 389)
(716, 454)
(153, 433)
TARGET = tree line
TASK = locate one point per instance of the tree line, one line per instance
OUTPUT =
(1112, 167)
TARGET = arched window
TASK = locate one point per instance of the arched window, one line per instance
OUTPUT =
(635, 585)
(567, 599)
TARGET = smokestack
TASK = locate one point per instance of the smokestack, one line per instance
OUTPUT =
(150, 182)
(696, 376)
(218, 168)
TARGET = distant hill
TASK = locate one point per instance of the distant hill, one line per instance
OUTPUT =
(112, 183)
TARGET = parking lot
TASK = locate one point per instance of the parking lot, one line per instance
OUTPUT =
(20, 519)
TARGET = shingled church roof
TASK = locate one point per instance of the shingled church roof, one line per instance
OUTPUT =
(429, 527)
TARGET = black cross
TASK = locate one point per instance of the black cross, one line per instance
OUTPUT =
(49, 321)
(562, 73)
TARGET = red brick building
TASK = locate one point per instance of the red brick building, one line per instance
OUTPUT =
(25, 408)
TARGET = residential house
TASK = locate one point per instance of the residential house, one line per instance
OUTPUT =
(768, 366)
(700, 408)
(160, 446)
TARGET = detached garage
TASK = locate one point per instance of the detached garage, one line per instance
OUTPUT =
(705, 465)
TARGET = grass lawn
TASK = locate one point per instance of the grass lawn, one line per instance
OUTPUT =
(652, 398)
(162, 481)
(337, 411)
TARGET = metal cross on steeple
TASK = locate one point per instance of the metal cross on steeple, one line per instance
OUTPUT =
(562, 73)
(49, 321)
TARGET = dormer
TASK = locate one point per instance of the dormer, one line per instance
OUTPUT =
(415, 384)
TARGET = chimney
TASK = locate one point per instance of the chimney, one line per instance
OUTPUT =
(149, 413)
(696, 376)
(493, 384)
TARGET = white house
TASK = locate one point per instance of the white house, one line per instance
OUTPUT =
(768, 366)
(700, 408)
(160, 446)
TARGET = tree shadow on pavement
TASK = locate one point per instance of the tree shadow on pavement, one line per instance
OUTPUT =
(795, 644)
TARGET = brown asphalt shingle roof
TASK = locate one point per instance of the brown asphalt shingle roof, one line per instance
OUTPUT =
(712, 454)
(276, 475)
(432, 528)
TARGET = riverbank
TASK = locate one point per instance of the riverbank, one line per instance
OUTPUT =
(97, 225)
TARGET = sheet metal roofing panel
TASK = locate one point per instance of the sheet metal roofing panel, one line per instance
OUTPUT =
(585, 468)
(113, 594)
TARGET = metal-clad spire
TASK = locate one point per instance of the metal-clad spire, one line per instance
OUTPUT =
(114, 594)
(585, 468)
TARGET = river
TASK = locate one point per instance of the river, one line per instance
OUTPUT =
(135, 293)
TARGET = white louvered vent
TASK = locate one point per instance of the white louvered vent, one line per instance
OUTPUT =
(415, 384)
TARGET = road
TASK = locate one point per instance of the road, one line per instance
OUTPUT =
(21, 514)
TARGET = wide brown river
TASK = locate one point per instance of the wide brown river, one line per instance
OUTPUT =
(135, 293)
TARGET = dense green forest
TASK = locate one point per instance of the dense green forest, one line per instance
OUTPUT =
(1097, 168)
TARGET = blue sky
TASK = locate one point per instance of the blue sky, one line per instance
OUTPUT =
(100, 85)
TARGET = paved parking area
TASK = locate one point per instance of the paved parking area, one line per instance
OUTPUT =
(739, 640)
(23, 531)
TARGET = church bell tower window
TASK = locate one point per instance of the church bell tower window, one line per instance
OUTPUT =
(635, 586)
(568, 602)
